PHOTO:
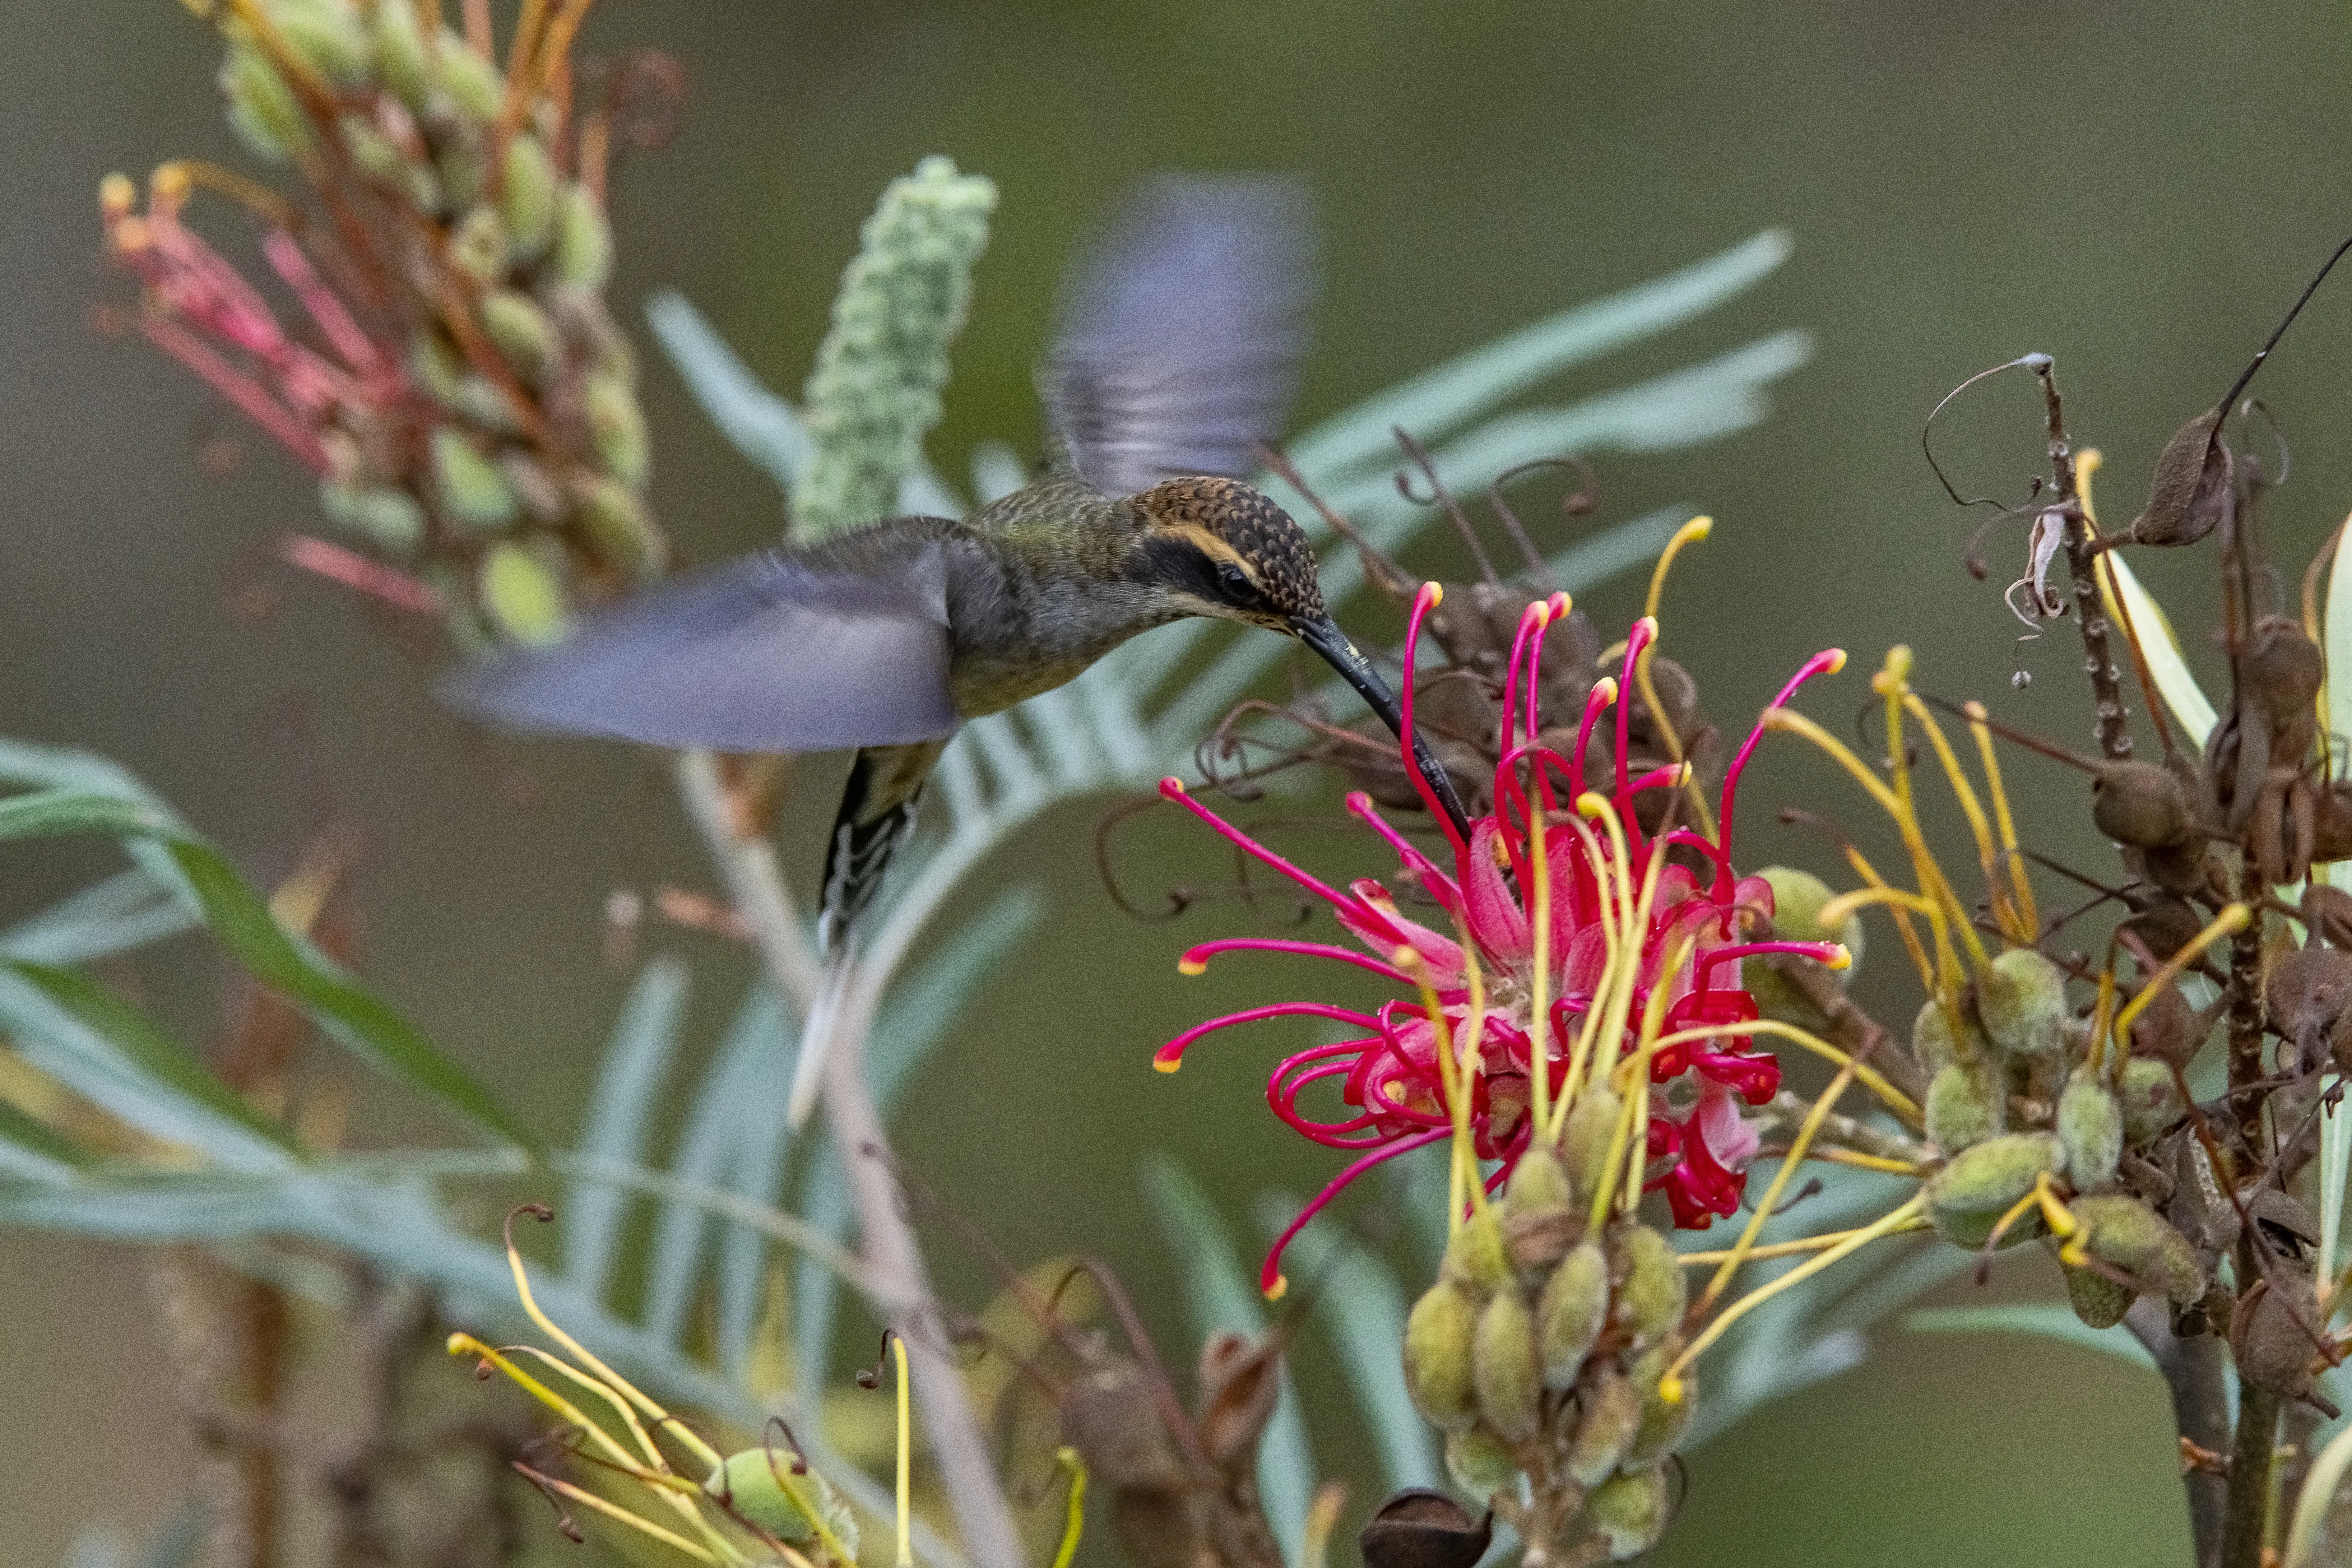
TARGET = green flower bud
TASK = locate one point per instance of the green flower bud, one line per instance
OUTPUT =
(2091, 1124)
(1982, 1183)
(523, 334)
(435, 366)
(326, 37)
(1664, 1422)
(1611, 1420)
(1931, 1039)
(1797, 900)
(389, 518)
(1591, 1122)
(2118, 1228)
(526, 197)
(472, 85)
(1503, 1365)
(1538, 1185)
(2022, 998)
(2150, 1098)
(1571, 1312)
(583, 239)
(262, 110)
(759, 1484)
(400, 51)
(617, 427)
(540, 495)
(476, 246)
(466, 486)
(1629, 1514)
(617, 527)
(1967, 1103)
(1650, 1299)
(522, 597)
(2098, 1300)
(1438, 1351)
(1480, 1464)
(1475, 1257)
(462, 173)
(486, 405)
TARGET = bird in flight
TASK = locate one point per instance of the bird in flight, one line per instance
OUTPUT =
(1177, 351)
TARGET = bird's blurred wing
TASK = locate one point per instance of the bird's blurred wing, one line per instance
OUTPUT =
(1182, 329)
(768, 652)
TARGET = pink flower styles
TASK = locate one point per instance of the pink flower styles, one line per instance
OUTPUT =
(1577, 943)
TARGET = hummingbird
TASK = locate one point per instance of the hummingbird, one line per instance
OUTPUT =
(1176, 355)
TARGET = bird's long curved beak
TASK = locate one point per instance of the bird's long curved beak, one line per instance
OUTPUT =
(1324, 635)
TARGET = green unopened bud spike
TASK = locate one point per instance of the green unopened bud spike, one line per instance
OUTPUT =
(1571, 1312)
(1653, 1294)
(1438, 1335)
(1611, 1420)
(1629, 1514)
(2022, 998)
(2091, 1123)
(1504, 1367)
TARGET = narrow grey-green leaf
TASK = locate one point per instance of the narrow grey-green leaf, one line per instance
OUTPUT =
(54, 813)
(146, 1046)
(1362, 1307)
(628, 1087)
(1441, 399)
(32, 1149)
(126, 910)
(1222, 1295)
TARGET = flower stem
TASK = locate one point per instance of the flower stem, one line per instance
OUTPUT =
(901, 1289)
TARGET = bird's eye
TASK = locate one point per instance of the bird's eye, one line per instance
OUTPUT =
(1235, 580)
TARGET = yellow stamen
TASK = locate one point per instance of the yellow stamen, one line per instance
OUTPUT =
(1670, 1385)
(1613, 946)
(1073, 1518)
(1691, 532)
(2230, 921)
(1790, 1249)
(1892, 683)
(1988, 852)
(612, 1511)
(1463, 1171)
(1539, 980)
(2020, 885)
(1893, 1098)
(171, 182)
(1831, 1155)
(1770, 1203)
(1628, 1141)
(1322, 1518)
(906, 1455)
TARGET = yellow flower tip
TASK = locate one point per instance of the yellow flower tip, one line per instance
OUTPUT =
(1698, 528)
(1607, 687)
(1975, 710)
(1560, 605)
(1591, 803)
(1648, 623)
(116, 195)
(1835, 662)
(1171, 787)
(1899, 661)
(1191, 966)
(2087, 461)
(1408, 958)
(2234, 919)
(1844, 959)
(1670, 1390)
(1432, 593)
(169, 184)
(458, 1345)
(1275, 1291)
(1170, 1065)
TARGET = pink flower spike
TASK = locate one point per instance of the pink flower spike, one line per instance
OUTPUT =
(1269, 1277)
(1829, 953)
(1637, 642)
(1197, 958)
(1531, 622)
(1424, 601)
(1604, 692)
(1829, 662)
(248, 395)
(1440, 884)
(1170, 1057)
(358, 574)
(1173, 789)
(342, 333)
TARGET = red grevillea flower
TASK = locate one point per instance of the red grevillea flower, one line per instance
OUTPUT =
(1681, 969)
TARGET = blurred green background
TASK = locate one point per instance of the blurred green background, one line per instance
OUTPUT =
(2137, 189)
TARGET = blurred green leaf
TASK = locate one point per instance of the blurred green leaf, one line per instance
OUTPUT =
(34, 1149)
(629, 1081)
(2039, 1320)
(1222, 1296)
(124, 911)
(146, 1046)
(51, 813)
(1443, 399)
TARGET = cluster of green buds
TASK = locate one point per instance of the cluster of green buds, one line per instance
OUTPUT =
(456, 380)
(1543, 1351)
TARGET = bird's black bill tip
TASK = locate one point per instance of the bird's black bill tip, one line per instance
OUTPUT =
(1323, 635)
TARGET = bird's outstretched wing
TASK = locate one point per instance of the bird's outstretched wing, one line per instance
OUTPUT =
(843, 645)
(1182, 330)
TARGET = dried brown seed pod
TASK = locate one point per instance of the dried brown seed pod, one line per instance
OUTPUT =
(2273, 1334)
(1419, 1527)
(2141, 804)
(1109, 1416)
(2308, 1000)
(2191, 490)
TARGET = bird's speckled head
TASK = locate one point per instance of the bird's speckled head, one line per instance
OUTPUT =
(1223, 549)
